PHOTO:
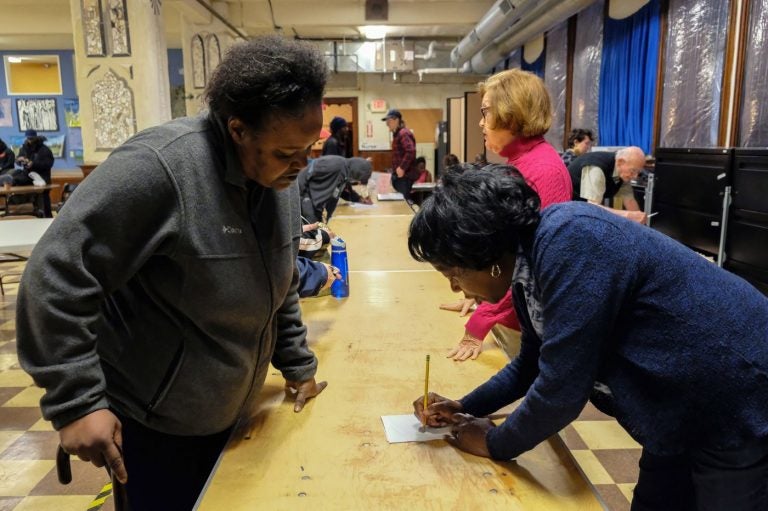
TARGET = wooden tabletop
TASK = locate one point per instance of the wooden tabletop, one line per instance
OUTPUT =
(371, 347)
(22, 235)
(14, 190)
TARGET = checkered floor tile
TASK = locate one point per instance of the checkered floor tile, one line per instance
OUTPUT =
(27, 442)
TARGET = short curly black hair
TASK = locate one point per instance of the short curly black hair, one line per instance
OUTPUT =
(578, 135)
(266, 75)
(474, 218)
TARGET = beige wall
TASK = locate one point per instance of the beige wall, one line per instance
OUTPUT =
(397, 95)
(403, 96)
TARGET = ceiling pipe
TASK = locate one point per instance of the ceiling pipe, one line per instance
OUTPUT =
(433, 45)
(502, 15)
(544, 17)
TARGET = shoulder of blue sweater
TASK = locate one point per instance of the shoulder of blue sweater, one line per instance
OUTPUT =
(563, 224)
(564, 212)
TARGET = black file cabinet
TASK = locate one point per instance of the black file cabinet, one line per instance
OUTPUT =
(747, 237)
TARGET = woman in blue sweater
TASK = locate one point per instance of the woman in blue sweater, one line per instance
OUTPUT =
(678, 346)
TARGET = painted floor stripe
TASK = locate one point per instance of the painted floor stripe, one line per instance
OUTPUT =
(392, 271)
(101, 498)
(363, 217)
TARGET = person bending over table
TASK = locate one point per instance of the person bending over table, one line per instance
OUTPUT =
(516, 114)
(678, 343)
(152, 307)
(327, 179)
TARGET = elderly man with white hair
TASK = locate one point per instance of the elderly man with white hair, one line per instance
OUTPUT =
(603, 175)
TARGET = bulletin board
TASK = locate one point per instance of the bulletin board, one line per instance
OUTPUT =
(456, 126)
(474, 135)
(423, 123)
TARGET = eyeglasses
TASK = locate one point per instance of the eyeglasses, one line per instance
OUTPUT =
(484, 111)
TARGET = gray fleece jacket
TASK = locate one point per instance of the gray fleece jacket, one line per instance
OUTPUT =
(165, 287)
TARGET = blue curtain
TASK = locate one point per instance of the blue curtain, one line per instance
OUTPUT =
(628, 78)
(537, 66)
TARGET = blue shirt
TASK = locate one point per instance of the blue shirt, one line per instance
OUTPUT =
(681, 343)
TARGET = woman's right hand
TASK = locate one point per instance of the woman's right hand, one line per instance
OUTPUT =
(637, 216)
(439, 410)
(462, 306)
(98, 438)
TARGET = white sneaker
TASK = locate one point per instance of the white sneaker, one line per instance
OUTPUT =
(37, 179)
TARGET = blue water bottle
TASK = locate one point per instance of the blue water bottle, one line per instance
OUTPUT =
(340, 288)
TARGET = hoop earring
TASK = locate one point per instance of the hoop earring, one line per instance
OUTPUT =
(495, 271)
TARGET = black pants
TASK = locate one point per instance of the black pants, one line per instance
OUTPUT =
(704, 480)
(403, 185)
(167, 472)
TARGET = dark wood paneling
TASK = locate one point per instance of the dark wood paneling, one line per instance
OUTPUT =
(571, 49)
(381, 160)
(62, 178)
(735, 39)
(660, 75)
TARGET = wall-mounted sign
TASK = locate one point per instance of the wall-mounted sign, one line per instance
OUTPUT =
(378, 105)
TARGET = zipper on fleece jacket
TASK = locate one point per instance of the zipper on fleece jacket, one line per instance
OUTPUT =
(173, 368)
(251, 191)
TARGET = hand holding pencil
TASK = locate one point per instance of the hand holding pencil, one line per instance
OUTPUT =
(438, 411)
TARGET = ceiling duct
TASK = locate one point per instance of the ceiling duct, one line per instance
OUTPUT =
(503, 14)
(543, 17)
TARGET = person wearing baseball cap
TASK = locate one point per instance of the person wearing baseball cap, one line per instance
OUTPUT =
(393, 114)
(404, 169)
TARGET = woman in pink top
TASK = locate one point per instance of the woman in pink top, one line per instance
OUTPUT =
(516, 113)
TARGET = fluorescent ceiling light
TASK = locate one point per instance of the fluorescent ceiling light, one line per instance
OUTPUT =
(374, 31)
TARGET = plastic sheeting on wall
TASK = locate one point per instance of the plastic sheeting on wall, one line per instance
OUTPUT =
(693, 73)
(556, 66)
(514, 60)
(753, 125)
(587, 55)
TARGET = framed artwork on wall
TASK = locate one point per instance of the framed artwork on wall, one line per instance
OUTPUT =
(37, 114)
(198, 62)
(120, 37)
(93, 28)
(6, 120)
(15, 142)
(56, 145)
(72, 112)
(213, 54)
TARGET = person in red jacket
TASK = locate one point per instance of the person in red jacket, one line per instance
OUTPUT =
(516, 113)
(404, 169)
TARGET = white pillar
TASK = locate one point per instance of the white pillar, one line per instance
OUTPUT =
(121, 63)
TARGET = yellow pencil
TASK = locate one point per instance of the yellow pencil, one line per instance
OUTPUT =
(426, 394)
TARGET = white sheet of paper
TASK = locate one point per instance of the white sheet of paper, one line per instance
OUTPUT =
(406, 428)
(390, 196)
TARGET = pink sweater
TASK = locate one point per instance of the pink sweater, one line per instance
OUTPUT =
(545, 171)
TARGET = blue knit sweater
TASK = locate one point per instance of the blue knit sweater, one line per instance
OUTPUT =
(682, 344)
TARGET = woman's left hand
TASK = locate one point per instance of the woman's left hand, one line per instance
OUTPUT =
(333, 274)
(303, 390)
(468, 434)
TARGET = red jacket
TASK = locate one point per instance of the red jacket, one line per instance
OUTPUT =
(404, 153)
(545, 172)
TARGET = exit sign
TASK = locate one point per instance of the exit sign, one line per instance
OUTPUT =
(378, 105)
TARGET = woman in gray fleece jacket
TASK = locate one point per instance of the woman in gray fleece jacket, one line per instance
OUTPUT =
(152, 307)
